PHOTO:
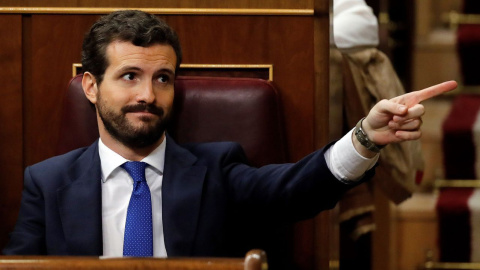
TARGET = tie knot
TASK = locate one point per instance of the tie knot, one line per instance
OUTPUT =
(136, 169)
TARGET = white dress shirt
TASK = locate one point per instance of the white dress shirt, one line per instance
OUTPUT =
(345, 163)
(342, 159)
(117, 186)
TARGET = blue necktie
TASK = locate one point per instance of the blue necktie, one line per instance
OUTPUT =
(138, 239)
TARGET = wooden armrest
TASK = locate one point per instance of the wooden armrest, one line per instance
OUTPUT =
(450, 266)
(254, 260)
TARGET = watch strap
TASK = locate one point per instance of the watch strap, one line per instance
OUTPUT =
(364, 140)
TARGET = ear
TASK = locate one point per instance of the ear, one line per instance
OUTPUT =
(89, 85)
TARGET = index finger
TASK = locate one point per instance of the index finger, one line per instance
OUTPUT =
(435, 90)
(416, 97)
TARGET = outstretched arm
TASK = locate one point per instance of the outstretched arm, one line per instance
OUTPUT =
(398, 119)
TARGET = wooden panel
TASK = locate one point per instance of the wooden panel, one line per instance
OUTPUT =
(326, 229)
(293, 4)
(321, 65)
(322, 6)
(11, 118)
(286, 42)
(415, 231)
(259, 40)
(55, 44)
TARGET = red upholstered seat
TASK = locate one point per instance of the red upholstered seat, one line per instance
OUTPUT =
(459, 145)
(455, 213)
(206, 109)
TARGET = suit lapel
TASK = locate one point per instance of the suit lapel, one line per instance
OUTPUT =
(181, 199)
(81, 203)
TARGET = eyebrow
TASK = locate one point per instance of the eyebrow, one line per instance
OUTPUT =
(128, 68)
(165, 70)
(135, 68)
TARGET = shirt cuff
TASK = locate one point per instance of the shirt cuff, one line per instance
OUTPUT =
(345, 163)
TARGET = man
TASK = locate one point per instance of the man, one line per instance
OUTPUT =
(80, 203)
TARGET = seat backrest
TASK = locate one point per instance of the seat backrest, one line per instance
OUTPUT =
(206, 109)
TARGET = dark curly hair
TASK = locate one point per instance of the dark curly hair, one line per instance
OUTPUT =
(137, 27)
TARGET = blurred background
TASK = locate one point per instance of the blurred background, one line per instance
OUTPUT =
(428, 42)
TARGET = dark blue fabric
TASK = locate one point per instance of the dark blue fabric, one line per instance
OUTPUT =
(138, 239)
(213, 203)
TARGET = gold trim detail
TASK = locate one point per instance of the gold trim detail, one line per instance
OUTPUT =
(75, 66)
(450, 265)
(163, 11)
(457, 183)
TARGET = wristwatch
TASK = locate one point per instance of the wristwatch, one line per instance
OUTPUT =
(363, 139)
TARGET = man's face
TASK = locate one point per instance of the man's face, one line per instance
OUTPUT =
(135, 98)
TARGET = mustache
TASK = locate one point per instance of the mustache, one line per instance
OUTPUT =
(143, 107)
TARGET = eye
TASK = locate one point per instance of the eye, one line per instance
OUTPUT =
(129, 76)
(163, 78)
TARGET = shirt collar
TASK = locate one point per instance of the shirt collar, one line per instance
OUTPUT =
(110, 160)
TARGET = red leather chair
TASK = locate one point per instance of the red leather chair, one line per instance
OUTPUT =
(206, 109)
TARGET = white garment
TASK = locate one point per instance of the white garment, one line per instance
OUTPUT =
(345, 163)
(342, 159)
(354, 24)
(117, 186)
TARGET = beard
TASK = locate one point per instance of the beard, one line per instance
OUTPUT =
(120, 128)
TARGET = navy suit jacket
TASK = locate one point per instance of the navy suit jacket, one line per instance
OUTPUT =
(211, 199)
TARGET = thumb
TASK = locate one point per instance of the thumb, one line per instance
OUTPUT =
(391, 107)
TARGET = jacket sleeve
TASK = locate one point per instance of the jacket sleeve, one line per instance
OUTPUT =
(288, 192)
(28, 237)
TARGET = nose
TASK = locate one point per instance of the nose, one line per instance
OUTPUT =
(146, 94)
